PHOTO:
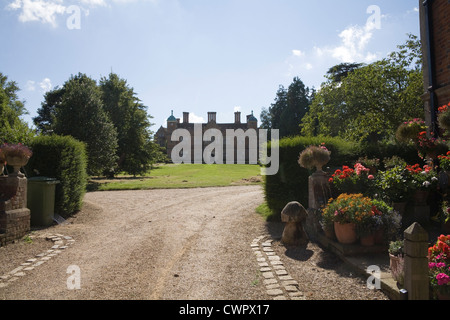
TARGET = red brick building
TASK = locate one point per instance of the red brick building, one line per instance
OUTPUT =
(435, 37)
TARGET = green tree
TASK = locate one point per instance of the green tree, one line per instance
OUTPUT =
(12, 128)
(371, 101)
(77, 110)
(136, 149)
(341, 71)
(289, 108)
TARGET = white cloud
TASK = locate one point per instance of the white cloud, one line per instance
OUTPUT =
(93, 3)
(38, 10)
(193, 118)
(47, 11)
(298, 53)
(45, 84)
(30, 85)
(354, 41)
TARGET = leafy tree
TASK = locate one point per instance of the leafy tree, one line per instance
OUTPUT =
(371, 101)
(289, 108)
(12, 128)
(136, 150)
(341, 71)
(77, 110)
(45, 119)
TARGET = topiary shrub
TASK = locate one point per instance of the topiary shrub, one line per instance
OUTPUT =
(63, 158)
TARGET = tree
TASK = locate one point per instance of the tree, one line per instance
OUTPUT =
(371, 101)
(136, 150)
(289, 108)
(45, 119)
(341, 71)
(12, 128)
(77, 110)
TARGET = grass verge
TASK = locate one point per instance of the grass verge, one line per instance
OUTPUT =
(171, 176)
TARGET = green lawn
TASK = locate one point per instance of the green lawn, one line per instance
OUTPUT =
(183, 176)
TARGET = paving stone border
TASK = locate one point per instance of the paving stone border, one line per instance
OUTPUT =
(59, 244)
(279, 284)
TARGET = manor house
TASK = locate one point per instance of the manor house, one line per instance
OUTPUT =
(164, 135)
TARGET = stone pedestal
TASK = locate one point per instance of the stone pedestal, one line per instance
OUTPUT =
(14, 215)
(416, 262)
(319, 190)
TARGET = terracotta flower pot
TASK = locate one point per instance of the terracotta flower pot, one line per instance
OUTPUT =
(421, 197)
(345, 233)
(400, 207)
(396, 266)
(443, 296)
(368, 241)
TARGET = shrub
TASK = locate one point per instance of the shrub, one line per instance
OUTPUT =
(291, 181)
(63, 158)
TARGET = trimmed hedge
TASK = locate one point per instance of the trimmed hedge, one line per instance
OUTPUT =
(291, 182)
(63, 158)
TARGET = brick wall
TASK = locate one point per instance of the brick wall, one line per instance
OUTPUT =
(441, 34)
(14, 215)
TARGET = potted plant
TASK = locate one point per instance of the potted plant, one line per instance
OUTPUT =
(343, 212)
(394, 185)
(430, 147)
(314, 157)
(444, 162)
(353, 180)
(409, 130)
(396, 260)
(371, 164)
(17, 155)
(327, 224)
(423, 180)
(444, 117)
(439, 267)
(354, 216)
(444, 217)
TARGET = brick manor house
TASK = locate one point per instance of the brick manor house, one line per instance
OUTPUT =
(163, 135)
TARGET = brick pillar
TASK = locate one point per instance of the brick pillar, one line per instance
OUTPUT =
(416, 262)
(14, 214)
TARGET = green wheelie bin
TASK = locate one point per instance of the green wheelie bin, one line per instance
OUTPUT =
(41, 200)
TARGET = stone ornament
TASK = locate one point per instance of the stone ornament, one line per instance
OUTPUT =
(294, 215)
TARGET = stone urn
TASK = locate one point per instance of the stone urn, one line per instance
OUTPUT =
(294, 215)
(17, 163)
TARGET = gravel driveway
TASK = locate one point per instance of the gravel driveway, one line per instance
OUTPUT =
(193, 244)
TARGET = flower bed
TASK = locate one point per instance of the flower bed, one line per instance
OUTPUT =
(439, 266)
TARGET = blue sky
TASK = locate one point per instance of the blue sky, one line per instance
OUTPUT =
(195, 55)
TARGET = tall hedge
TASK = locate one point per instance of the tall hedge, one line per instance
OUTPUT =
(63, 158)
(291, 182)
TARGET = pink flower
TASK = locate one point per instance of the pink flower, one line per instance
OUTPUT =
(442, 279)
(440, 265)
(431, 265)
(370, 177)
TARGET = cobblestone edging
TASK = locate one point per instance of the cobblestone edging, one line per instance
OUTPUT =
(279, 284)
(60, 243)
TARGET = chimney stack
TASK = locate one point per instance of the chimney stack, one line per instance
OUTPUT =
(185, 117)
(237, 117)
(211, 117)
